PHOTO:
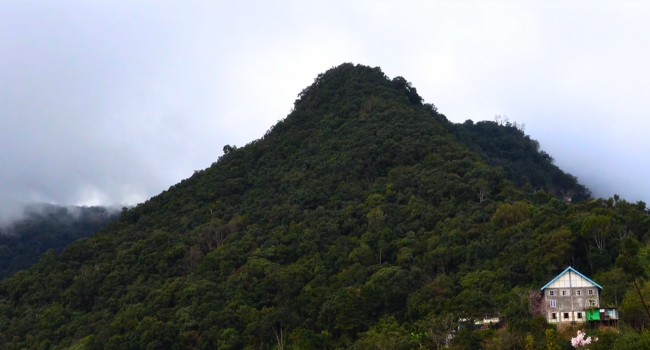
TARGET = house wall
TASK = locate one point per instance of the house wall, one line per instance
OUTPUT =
(570, 279)
(571, 316)
(569, 304)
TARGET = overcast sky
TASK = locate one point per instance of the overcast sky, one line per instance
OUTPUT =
(113, 102)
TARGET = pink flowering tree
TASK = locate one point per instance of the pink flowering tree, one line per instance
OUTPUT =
(580, 342)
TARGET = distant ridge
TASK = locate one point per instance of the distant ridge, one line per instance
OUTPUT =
(44, 227)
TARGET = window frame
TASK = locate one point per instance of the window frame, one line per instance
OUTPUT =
(553, 303)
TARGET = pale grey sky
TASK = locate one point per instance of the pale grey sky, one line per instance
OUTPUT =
(112, 102)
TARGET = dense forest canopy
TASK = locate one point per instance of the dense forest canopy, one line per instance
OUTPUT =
(364, 219)
(44, 227)
(504, 144)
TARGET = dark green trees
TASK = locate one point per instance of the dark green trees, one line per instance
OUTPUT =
(504, 144)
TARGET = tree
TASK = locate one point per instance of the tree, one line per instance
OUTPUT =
(438, 329)
(387, 334)
(597, 228)
(634, 306)
(580, 341)
(227, 149)
(511, 214)
(615, 283)
(482, 188)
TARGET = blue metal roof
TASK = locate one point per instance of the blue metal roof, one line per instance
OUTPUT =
(574, 270)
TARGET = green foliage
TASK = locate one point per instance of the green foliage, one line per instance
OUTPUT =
(633, 340)
(596, 227)
(511, 214)
(606, 339)
(504, 144)
(355, 222)
(529, 342)
(466, 339)
(632, 307)
(551, 340)
(387, 334)
(617, 282)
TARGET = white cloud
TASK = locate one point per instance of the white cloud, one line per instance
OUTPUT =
(114, 102)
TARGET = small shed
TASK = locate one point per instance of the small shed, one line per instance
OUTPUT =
(602, 316)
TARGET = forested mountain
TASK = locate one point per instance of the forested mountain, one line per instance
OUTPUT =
(359, 221)
(44, 227)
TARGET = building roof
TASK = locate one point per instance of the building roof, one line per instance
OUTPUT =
(567, 270)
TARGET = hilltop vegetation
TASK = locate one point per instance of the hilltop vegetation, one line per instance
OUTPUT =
(504, 144)
(358, 221)
(45, 227)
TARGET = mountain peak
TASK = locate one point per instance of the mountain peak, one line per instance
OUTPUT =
(352, 81)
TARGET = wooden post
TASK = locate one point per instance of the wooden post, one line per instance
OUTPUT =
(571, 293)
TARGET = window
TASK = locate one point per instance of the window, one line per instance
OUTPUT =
(563, 292)
(553, 303)
(578, 292)
(566, 315)
(554, 316)
(566, 283)
(579, 315)
(590, 292)
(551, 293)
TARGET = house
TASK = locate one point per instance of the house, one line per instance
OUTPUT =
(572, 297)
(480, 323)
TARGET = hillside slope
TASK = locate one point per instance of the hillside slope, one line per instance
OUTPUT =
(355, 221)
